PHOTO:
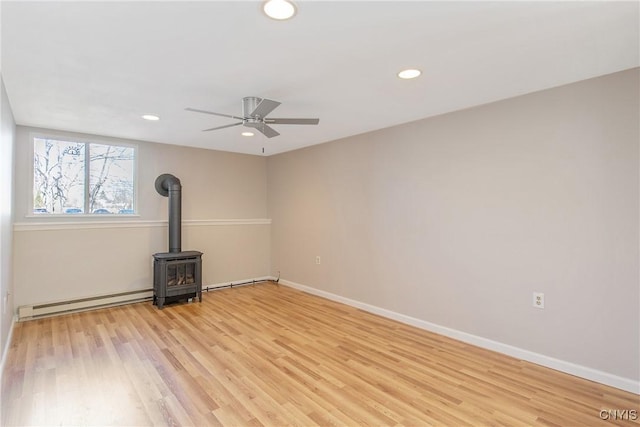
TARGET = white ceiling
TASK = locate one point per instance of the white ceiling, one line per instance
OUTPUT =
(96, 67)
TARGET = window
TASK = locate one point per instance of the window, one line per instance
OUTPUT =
(72, 177)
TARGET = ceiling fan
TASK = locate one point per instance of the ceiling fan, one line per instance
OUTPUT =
(254, 112)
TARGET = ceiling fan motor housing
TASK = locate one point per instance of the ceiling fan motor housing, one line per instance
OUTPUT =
(249, 104)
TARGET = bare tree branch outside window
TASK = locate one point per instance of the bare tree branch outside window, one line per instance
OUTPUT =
(64, 183)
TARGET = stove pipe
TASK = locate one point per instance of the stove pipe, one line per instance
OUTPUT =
(168, 185)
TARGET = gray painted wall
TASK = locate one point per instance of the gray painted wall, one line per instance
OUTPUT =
(458, 219)
(7, 144)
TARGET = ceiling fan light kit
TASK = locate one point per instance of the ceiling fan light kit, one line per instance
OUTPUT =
(254, 112)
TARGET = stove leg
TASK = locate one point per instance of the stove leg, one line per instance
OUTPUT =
(160, 303)
(199, 296)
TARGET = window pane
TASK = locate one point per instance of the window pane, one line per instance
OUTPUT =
(58, 184)
(110, 179)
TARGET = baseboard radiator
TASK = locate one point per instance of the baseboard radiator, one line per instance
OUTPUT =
(27, 312)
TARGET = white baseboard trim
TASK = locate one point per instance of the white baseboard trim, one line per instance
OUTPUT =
(601, 377)
(7, 345)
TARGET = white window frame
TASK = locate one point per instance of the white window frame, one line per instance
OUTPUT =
(62, 137)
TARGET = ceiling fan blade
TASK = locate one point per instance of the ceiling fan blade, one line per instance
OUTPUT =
(195, 110)
(267, 131)
(292, 121)
(222, 127)
(264, 107)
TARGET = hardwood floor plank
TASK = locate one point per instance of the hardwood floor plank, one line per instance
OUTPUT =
(268, 355)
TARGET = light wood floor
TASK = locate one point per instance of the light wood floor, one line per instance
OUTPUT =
(268, 355)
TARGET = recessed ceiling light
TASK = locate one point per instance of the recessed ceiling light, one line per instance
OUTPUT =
(247, 134)
(410, 73)
(279, 9)
(151, 117)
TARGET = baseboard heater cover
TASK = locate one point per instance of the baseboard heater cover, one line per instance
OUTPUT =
(26, 312)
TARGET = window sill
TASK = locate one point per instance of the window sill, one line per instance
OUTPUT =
(45, 216)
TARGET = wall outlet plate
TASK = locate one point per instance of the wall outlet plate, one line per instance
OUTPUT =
(538, 300)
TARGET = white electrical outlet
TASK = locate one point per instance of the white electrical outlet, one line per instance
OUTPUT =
(318, 259)
(538, 300)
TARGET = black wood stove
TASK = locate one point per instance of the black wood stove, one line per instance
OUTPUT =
(177, 274)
